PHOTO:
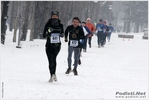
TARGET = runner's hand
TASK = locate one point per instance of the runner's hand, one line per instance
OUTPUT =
(66, 40)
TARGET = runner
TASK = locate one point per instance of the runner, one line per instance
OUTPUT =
(100, 32)
(52, 31)
(76, 37)
(111, 29)
(91, 28)
(106, 30)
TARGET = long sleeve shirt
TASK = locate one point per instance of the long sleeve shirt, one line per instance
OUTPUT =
(75, 34)
(53, 33)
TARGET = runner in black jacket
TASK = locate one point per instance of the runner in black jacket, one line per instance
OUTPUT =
(53, 31)
(76, 40)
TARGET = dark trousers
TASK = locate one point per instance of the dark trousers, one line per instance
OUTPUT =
(52, 52)
(76, 56)
(89, 40)
(99, 37)
(85, 43)
(109, 36)
(104, 39)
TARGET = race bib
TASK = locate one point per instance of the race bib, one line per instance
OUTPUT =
(55, 38)
(104, 31)
(99, 29)
(74, 43)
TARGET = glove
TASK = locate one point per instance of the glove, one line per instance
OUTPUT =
(90, 35)
(81, 41)
(66, 40)
(50, 29)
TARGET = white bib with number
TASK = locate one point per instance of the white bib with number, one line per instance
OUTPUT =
(74, 43)
(99, 29)
(55, 38)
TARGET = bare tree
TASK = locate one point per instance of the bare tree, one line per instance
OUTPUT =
(4, 17)
(26, 18)
(39, 17)
(32, 20)
(35, 14)
(20, 16)
(16, 15)
(11, 15)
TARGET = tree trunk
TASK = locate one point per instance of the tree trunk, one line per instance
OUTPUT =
(20, 13)
(39, 19)
(15, 22)
(32, 22)
(36, 19)
(137, 27)
(11, 15)
(4, 17)
(128, 27)
(25, 25)
(124, 27)
(15, 28)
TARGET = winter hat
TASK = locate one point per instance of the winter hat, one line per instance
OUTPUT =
(88, 19)
(83, 22)
(100, 20)
(54, 13)
(104, 22)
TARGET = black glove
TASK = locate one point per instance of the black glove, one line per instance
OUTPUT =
(82, 41)
(66, 40)
(50, 29)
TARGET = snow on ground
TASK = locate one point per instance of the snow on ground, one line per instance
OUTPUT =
(121, 66)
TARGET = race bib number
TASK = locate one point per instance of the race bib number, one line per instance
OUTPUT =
(74, 43)
(55, 38)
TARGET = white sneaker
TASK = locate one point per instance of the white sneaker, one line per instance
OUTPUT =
(50, 80)
(102, 45)
(80, 54)
(54, 78)
(83, 50)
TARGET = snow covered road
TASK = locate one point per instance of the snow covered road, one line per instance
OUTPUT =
(121, 66)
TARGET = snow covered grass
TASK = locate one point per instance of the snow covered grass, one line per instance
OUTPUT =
(121, 66)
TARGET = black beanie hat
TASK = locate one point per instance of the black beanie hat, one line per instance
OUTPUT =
(54, 13)
(100, 20)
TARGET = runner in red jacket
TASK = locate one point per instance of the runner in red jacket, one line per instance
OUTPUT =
(91, 28)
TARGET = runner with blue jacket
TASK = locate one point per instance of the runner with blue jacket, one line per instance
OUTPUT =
(100, 27)
(111, 29)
